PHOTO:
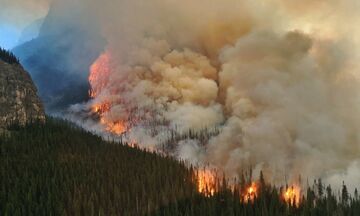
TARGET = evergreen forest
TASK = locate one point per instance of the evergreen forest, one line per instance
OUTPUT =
(57, 168)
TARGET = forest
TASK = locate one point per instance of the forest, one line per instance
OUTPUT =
(8, 56)
(57, 168)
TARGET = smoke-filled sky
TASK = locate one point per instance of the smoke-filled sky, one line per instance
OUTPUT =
(15, 15)
(278, 80)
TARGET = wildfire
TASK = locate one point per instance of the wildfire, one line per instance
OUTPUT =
(98, 79)
(99, 74)
(292, 195)
(119, 127)
(207, 179)
(206, 182)
(101, 108)
(116, 128)
(251, 192)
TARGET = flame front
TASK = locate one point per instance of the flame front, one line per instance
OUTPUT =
(251, 192)
(98, 79)
(292, 195)
(99, 74)
(116, 128)
(206, 182)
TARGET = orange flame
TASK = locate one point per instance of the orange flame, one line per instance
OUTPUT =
(98, 79)
(99, 74)
(117, 128)
(251, 192)
(206, 182)
(292, 195)
(101, 108)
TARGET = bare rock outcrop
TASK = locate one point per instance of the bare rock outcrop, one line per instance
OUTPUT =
(19, 103)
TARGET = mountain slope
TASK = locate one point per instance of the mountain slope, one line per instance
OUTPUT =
(57, 169)
(19, 102)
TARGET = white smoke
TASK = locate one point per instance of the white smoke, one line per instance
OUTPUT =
(280, 89)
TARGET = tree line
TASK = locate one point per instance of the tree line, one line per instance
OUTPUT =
(8, 57)
(57, 168)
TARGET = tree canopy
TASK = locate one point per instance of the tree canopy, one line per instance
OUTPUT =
(8, 57)
(57, 168)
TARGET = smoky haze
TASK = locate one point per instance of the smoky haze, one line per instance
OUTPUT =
(58, 59)
(276, 80)
(20, 13)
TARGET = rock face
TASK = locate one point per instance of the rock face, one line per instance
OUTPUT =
(19, 103)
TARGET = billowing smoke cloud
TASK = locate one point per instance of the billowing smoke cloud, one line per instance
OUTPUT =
(21, 13)
(271, 88)
(287, 107)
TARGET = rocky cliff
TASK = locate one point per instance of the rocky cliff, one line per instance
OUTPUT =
(19, 102)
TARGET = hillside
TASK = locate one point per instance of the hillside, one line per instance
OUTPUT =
(19, 103)
(59, 169)
(8, 57)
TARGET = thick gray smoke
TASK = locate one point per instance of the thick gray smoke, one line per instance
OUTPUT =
(273, 88)
(58, 58)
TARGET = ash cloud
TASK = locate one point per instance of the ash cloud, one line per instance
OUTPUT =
(284, 95)
(278, 89)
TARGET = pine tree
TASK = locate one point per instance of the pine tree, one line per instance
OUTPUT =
(344, 195)
(320, 188)
(58, 169)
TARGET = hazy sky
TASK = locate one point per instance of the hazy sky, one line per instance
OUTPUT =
(16, 15)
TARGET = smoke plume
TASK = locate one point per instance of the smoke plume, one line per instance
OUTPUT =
(273, 84)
